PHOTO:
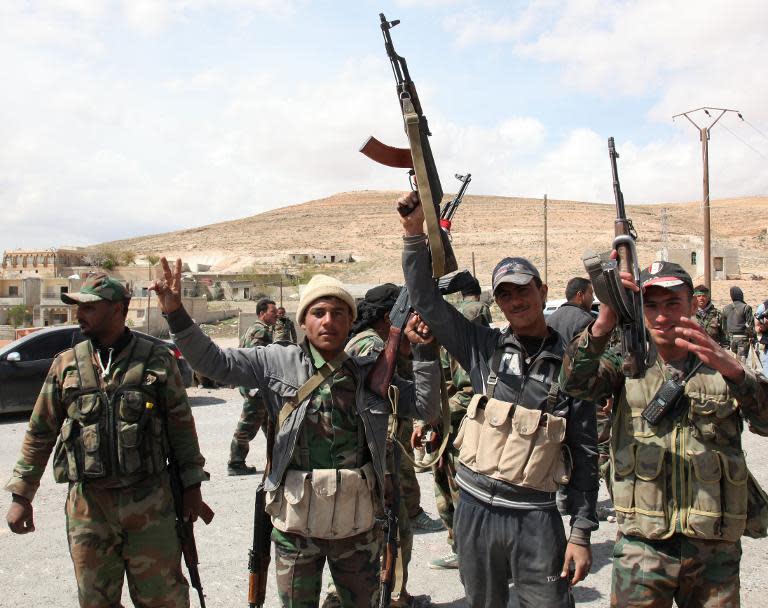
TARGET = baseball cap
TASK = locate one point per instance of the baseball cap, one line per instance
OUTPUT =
(98, 287)
(514, 270)
(666, 274)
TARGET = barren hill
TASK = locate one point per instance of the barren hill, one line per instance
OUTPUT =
(365, 224)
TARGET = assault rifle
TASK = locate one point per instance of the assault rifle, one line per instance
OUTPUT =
(418, 157)
(380, 377)
(449, 209)
(390, 540)
(635, 343)
(258, 556)
(185, 528)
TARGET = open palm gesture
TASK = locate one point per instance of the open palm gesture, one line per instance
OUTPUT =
(168, 289)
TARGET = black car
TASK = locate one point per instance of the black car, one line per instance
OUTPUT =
(24, 364)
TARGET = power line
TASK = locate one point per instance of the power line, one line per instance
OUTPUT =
(754, 127)
(755, 150)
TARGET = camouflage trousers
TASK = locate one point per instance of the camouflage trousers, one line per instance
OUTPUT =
(695, 573)
(126, 532)
(410, 506)
(353, 562)
(446, 490)
(252, 418)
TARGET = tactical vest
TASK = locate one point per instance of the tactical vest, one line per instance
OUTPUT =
(736, 318)
(105, 436)
(514, 443)
(687, 474)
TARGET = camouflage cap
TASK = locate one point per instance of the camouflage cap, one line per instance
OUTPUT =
(98, 287)
(514, 270)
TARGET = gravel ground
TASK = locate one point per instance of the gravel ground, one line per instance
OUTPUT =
(35, 570)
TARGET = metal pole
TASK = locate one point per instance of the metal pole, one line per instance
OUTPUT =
(474, 274)
(704, 134)
(546, 282)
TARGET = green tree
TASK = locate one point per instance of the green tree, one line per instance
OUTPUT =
(17, 314)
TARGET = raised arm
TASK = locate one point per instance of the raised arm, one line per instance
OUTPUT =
(458, 335)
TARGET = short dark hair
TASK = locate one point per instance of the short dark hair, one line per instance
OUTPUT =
(263, 305)
(574, 286)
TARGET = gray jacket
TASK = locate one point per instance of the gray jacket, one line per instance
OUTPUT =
(473, 346)
(278, 370)
(569, 320)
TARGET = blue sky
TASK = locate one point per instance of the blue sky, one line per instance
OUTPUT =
(126, 117)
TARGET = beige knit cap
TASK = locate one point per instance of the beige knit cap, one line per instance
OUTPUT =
(323, 286)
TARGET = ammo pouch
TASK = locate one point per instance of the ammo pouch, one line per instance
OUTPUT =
(324, 503)
(125, 429)
(515, 444)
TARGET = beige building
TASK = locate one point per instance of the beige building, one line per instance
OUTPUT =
(724, 264)
(41, 262)
(40, 296)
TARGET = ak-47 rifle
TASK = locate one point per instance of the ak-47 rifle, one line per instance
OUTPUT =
(391, 534)
(636, 347)
(418, 157)
(449, 209)
(258, 556)
(380, 377)
(185, 528)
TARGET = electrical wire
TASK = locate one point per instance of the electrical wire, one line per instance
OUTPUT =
(754, 127)
(755, 150)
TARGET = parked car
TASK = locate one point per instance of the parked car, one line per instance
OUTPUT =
(24, 364)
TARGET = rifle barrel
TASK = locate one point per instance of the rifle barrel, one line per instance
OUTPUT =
(621, 213)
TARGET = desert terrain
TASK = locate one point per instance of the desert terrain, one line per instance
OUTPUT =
(365, 225)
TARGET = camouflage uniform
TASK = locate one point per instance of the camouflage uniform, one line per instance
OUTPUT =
(460, 388)
(680, 487)
(369, 342)
(120, 512)
(711, 319)
(331, 438)
(254, 414)
(284, 331)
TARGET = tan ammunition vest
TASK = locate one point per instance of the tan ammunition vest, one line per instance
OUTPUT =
(105, 436)
(687, 474)
(513, 443)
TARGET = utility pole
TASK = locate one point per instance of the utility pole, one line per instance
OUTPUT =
(704, 137)
(474, 274)
(665, 231)
(546, 282)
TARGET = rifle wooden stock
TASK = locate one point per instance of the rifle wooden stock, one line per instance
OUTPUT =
(380, 377)
(400, 158)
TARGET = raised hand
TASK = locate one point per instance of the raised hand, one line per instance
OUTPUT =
(606, 317)
(692, 336)
(411, 214)
(168, 289)
(417, 331)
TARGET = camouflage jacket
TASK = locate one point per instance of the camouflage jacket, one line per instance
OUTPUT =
(711, 320)
(161, 378)
(280, 369)
(258, 334)
(688, 473)
(475, 311)
(285, 330)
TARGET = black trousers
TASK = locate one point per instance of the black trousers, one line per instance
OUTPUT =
(498, 546)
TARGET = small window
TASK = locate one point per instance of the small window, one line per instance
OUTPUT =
(246, 293)
(64, 289)
(718, 264)
(13, 291)
(693, 258)
(140, 313)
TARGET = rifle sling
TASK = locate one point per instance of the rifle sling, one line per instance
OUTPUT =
(425, 190)
(306, 389)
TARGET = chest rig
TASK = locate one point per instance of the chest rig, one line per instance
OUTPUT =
(512, 442)
(110, 435)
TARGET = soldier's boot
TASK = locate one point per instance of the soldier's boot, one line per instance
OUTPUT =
(240, 468)
(423, 524)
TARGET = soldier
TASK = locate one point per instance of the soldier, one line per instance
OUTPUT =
(573, 316)
(709, 317)
(680, 484)
(512, 442)
(472, 307)
(444, 471)
(369, 335)
(254, 414)
(285, 330)
(739, 324)
(112, 400)
(326, 479)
